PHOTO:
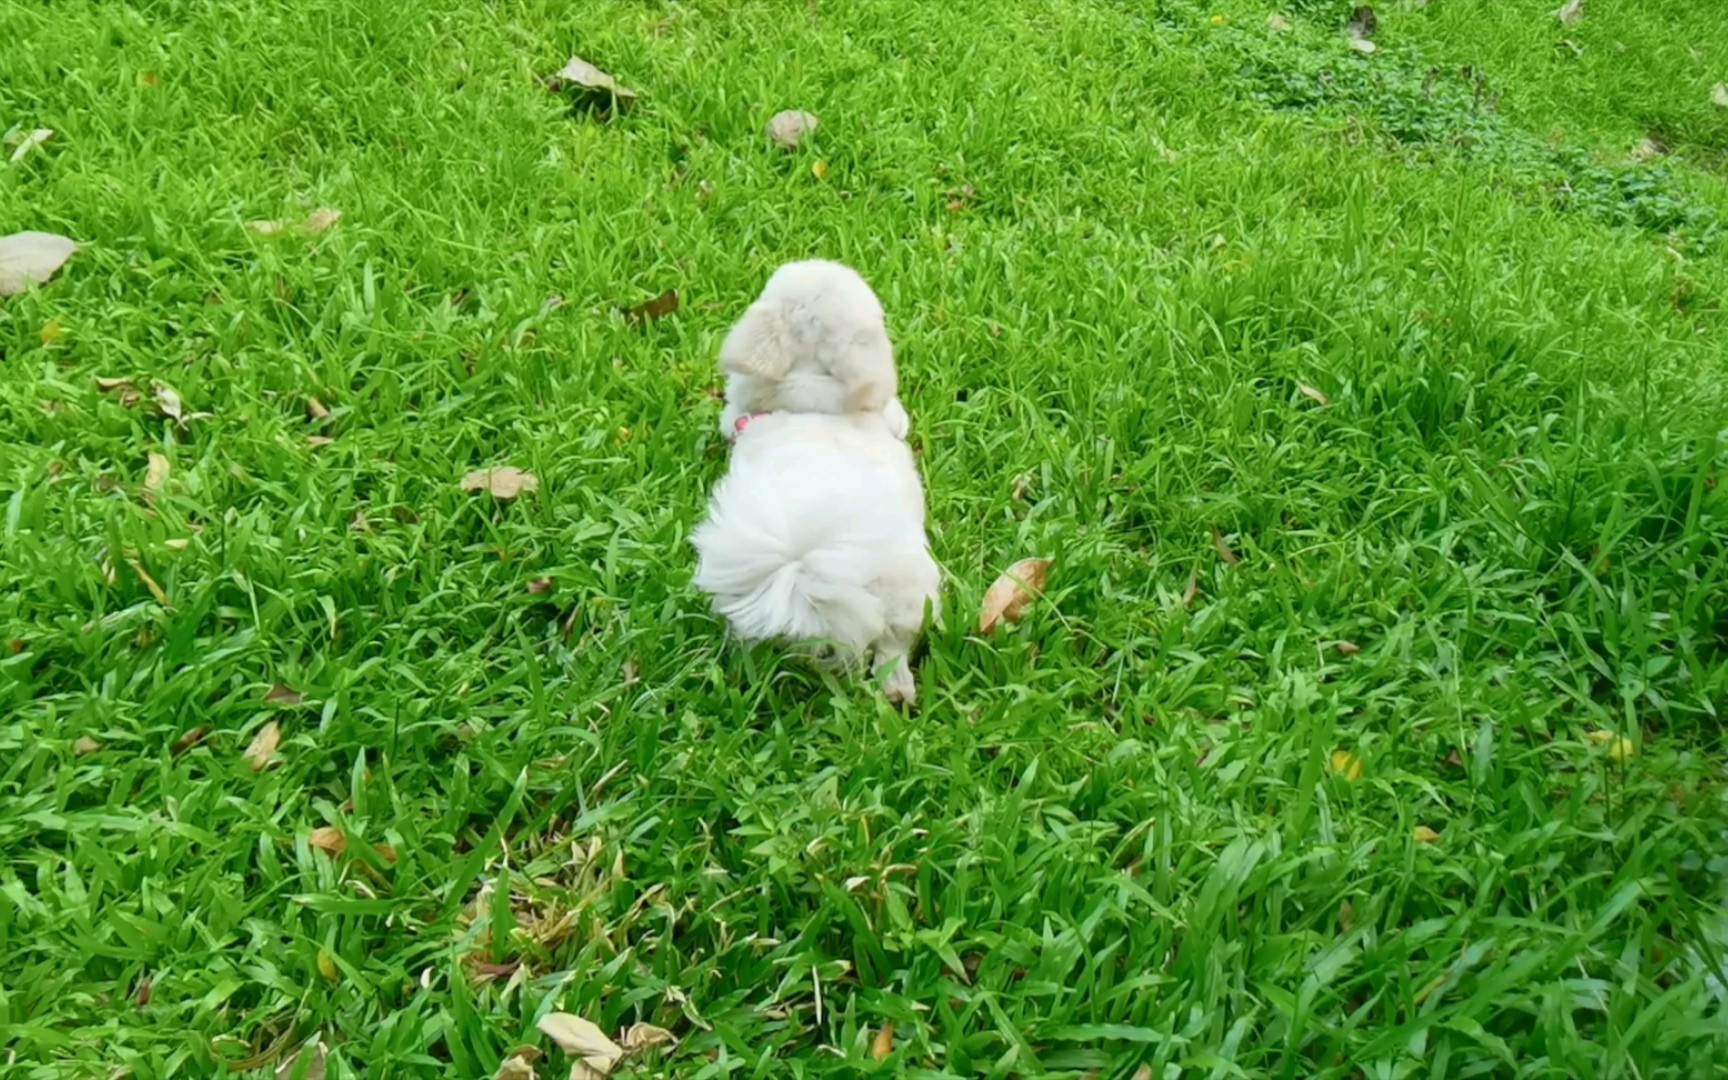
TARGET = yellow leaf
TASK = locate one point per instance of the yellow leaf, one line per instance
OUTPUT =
(515, 1067)
(86, 745)
(582, 1040)
(819, 170)
(315, 409)
(156, 591)
(1346, 765)
(1601, 738)
(263, 746)
(1218, 20)
(504, 482)
(646, 1036)
(327, 966)
(1318, 397)
(321, 219)
(1007, 597)
(329, 839)
(283, 694)
(1422, 834)
(883, 1044)
(1621, 749)
(155, 475)
(52, 330)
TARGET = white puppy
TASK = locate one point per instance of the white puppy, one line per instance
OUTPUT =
(816, 532)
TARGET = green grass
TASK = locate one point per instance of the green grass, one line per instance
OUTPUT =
(1115, 241)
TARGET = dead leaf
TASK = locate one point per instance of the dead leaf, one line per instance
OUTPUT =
(485, 971)
(883, 1044)
(283, 694)
(1346, 916)
(316, 441)
(28, 259)
(1348, 648)
(540, 585)
(1278, 23)
(327, 966)
(631, 673)
(819, 170)
(263, 746)
(658, 308)
(1422, 834)
(328, 839)
(1363, 45)
(1571, 13)
(1222, 547)
(315, 410)
(585, 76)
(1313, 394)
(156, 591)
(307, 1064)
(86, 745)
(191, 738)
(169, 402)
(142, 997)
(1006, 599)
(515, 1067)
(504, 482)
(322, 219)
(1346, 765)
(155, 475)
(385, 852)
(30, 142)
(640, 1037)
(52, 330)
(582, 1040)
(1718, 96)
(1144, 1072)
(1193, 589)
(792, 127)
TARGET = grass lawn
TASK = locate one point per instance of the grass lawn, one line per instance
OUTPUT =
(1373, 407)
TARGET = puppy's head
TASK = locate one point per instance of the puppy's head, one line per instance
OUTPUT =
(814, 341)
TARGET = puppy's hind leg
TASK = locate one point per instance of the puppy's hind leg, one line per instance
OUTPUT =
(915, 599)
(891, 665)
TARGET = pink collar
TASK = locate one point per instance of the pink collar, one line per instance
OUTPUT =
(743, 422)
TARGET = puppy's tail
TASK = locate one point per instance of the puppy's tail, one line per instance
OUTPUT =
(783, 558)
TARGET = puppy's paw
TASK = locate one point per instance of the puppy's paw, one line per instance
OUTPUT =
(899, 687)
(894, 415)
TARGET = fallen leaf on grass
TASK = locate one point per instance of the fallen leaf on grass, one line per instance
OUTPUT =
(1278, 23)
(309, 1063)
(1222, 547)
(658, 308)
(320, 220)
(1006, 599)
(1348, 648)
(30, 142)
(1193, 589)
(1346, 916)
(52, 330)
(263, 746)
(283, 694)
(581, 74)
(327, 966)
(168, 400)
(1719, 95)
(540, 585)
(86, 745)
(328, 839)
(1317, 396)
(883, 1044)
(1619, 747)
(191, 738)
(639, 1037)
(315, 410)
(515, 1067)
(819, 170)
(316, 441)
(1571, 13)
(504, 482)
(128, 391)
(28, 259)
(155, 475)
(584, 1041)
(156, 591)
(1346, 765)
(1144, 1072)
(1422, 834)
(142, 997)
(792, 127)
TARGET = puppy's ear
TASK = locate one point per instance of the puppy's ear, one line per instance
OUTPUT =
(760, 345)
(866, 367)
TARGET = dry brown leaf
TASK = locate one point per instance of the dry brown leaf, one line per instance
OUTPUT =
(1193, 589)
(28, 259)
(1346, 765)
(1571, 13)
(86, 745)
(142, 996)
(1144, 1072)
(385, 852)
(504, 482)
(1222, 547)
(1422, 834)
(1006, 599)
(582, 1040)
(792, 127)
(106, 385)
(883, 1044)
(322, 219)
(658, 308)
(309, 1063)
(640, 1037)
(1719, 95)
(169, 402)
(1346, 916)
(515, 1067)
(540, 585)
(156, 591)
(262, 749)
(155, 475)
(316, 441)
(1278, 23)
(328, 839)
(1312, 394)
(315, 409)
(1348, 648)
(283, 694)
(585, 76)
(191, 738)
(177, 543)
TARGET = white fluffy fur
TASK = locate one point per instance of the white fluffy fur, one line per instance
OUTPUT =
(816, 533)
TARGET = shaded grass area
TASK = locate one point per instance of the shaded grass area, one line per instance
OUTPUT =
(1114, 837)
